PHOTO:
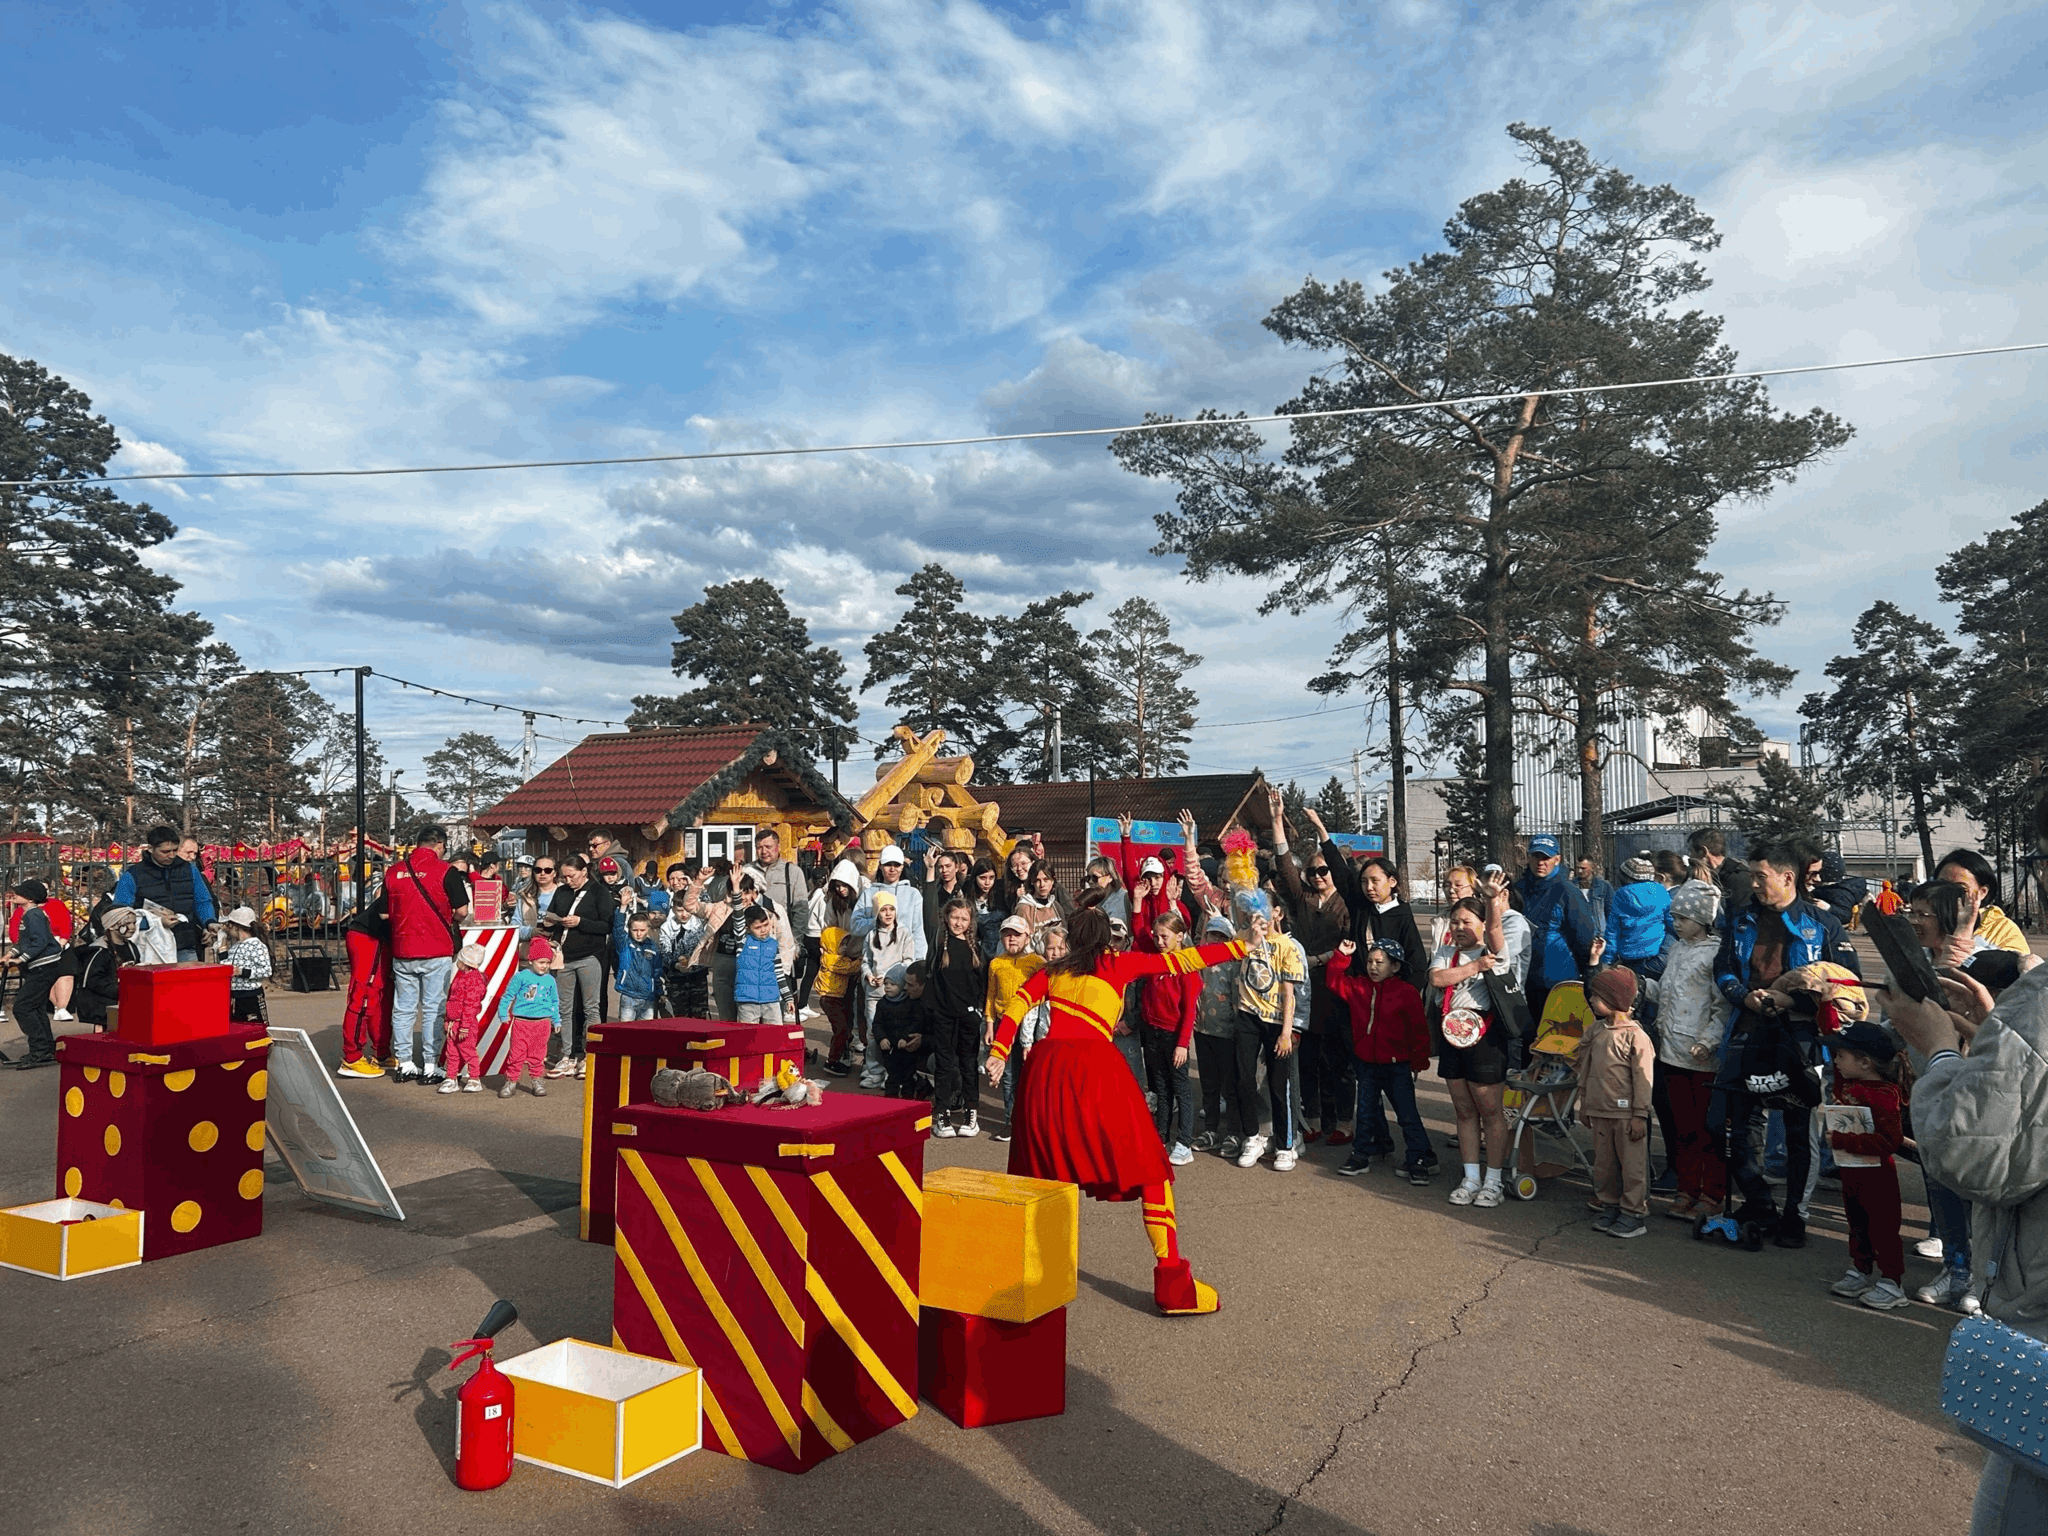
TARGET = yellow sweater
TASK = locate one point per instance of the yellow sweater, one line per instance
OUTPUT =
(2001, 931)
(1006, 973)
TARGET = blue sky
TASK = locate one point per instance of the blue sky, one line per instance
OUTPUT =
(266, 236)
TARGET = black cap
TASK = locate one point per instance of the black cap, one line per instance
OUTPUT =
(34, 890)
(1868, 1039)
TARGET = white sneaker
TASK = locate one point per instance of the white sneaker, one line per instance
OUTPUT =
(1285, 1159)
(407, 1073)
(873, 1077)
(1489, 1196)
(1928, 1248)
(1254, 1149)
(65, 1016)
(1466, 1192)
(433, 1076)
(1885, 1295)
(1855, 1283)
(473, 1085)
(1181, 1155)
(942, 1127)
(449, 1085)
(972, 1127)
(1945, 1289)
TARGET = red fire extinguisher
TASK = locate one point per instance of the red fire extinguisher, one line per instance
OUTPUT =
(483, 1408)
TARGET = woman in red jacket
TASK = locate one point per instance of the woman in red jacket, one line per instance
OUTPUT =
(1080, 1116)
(1390, 1039)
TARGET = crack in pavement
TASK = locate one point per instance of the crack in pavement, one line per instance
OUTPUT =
(1380, 1399)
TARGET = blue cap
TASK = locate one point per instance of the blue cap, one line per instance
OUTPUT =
(1544, 846)
(1391, 948)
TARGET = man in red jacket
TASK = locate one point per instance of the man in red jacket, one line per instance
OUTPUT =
(426, 898)
(1390, 1040)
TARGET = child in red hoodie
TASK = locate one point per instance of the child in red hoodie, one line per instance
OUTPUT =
(1866, 1079)
(1390, 1039)
(1166, 1007)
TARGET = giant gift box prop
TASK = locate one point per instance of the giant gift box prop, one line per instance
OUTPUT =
(999, 1265)
(168, 1004)
(777, 1251)
(622, 1062)
(175, 1132)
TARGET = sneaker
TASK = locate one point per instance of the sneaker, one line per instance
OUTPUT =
(1285, 1159)
(1466, 1192)
(1682, 1208)
(561, 1068)
(1489, 1196)
(1181, 1155)
(1852, 1284)
(1609, 1215)
(505, 1089)
(406, 1073)
(972, 1126)
(582, 1066)
(64, 1016)
(1885, 1295)
(1005, 1136)
(433, 1077)
(1971, 1302)
(1791, 1232)
(872, 1076)
(941, 1126)
(835, 1068)
(1207, 1141)
(1352, 1167)
(540, 1090)
(1229, 1147)
(1626, 1225)
(1254, 1148)
(472, 1085)
(1946, 1288)
(362, 1066)
(1929, 1248)
(449, 1085)
(1418, 1175)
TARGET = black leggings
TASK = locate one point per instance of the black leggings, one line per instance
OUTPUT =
(1216, 1062)
(956, 1057)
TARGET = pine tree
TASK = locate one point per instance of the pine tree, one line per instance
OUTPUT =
(755, 663)
(1465, 803)
(1785, 805)
(1039, 661)
(1143, 669)
(1891, 721)
(470, 773)
(936, 661)
(1334, 804)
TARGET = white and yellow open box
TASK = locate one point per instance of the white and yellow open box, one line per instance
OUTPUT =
(68, 1238)
(602, 1413)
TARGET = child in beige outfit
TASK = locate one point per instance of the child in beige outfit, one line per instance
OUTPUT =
(1614, 1063)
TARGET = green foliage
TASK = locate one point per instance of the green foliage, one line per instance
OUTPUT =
(1784, 805)
(936, 660)
(471, 772)
(1536, 509)
(754, 662)
(1465, 803)
(1142, 669)
(1334, 804)
(1039, 660)
(1891, 721)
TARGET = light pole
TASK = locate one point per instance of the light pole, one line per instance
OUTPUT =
(393, 827)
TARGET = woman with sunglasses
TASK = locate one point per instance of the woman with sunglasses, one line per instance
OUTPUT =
(534, 898)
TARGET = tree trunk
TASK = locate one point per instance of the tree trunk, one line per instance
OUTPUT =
(1586, 741)
(1916, 782)
(1141, 719)
(1397, 746)
(1499, 671)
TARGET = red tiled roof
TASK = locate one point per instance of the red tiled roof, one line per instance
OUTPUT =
(629, 779)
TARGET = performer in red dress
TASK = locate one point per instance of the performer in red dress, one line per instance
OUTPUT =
(1081, 1117)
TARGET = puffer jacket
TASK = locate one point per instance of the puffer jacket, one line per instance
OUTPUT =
(1635, 920)
(1690, 1007)
(1981, 1122)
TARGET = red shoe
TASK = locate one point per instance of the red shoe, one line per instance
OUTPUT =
(1337, 1139)
(1177, 1291)
(1309, 1138)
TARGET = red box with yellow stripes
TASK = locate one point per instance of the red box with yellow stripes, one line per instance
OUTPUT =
(777, 1251)
(621, 1065)
(174, 1131)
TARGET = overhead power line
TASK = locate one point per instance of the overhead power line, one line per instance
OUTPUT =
(441, 693)
(1019, 437)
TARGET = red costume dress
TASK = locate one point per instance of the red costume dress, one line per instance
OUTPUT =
(1081, 1117)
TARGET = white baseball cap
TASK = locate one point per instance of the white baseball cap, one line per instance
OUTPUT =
(1151, 867)
(890, 855)
(243, 917)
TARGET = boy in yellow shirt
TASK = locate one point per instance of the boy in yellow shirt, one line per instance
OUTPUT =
(1007, 971)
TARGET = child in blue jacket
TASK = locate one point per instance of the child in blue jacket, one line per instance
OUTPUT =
(757, 972)
(636, 976)
(534, 1006)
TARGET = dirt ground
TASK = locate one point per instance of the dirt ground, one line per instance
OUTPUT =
(1384, 1363)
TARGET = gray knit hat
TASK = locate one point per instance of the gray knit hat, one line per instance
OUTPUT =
(1697, 900)
(1640, 868)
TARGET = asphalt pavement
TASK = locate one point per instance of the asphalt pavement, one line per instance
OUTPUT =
(1384, 1363)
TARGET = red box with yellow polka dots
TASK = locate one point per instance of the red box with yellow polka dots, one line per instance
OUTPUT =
(174, 1131)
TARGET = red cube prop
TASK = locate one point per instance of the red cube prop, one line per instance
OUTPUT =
(981, 1370)
(169, 1004)
(777, 1251)
(622, 1062)
(176, 1133)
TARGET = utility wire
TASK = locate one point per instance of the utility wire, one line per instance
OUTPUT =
(1020, 437)
(441, 693)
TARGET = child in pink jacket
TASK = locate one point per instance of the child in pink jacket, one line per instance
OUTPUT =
(465, 1022)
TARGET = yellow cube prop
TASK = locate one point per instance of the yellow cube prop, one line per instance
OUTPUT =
(998, 1246)
(602, 1413)
(68, 1238)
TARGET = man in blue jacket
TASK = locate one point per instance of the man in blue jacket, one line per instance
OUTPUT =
(1778, 931)
(40, 949)
(1560, 923)
(172, 883)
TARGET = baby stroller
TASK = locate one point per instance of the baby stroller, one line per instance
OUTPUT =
(1542, 1098)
